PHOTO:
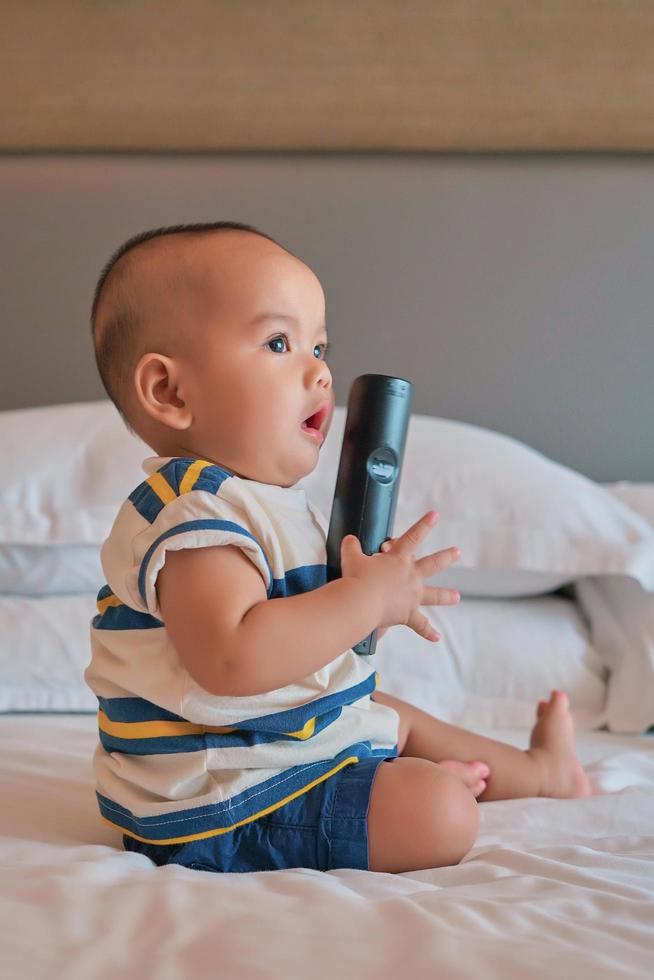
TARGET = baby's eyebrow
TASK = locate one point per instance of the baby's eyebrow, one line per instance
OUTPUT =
(278, 316)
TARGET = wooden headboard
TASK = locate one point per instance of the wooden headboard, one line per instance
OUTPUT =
(326, 75)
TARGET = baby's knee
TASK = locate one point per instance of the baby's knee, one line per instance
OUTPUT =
(421, 816)
(458, 816)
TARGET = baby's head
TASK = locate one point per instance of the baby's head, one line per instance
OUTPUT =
(210, 341)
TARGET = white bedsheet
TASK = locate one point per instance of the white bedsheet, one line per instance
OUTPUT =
(552, 888)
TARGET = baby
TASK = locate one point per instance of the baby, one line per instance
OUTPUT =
(238, 729)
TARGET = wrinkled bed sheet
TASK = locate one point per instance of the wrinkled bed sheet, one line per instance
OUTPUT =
(551, 888)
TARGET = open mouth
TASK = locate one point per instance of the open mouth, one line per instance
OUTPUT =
(314, 423)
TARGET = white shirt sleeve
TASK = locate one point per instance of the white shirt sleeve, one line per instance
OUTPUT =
(198, 519)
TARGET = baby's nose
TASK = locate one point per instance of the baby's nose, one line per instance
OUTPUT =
(323, 374)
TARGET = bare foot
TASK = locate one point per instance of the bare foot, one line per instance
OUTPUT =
(552, 744)
(473, 774)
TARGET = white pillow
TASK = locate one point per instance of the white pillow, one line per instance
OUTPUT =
(72, 467)
(44, 650)
(50, 570)
(525, 524)
(497, 658)
(620, 615)
(637, 496)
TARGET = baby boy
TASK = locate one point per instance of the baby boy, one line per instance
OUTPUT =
(238, 729)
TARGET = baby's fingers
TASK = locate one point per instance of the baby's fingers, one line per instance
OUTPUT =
(434, 596)
(407, 543)
(438, 561)
(423, 627)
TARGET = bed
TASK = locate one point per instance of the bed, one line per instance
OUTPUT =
(557, 580)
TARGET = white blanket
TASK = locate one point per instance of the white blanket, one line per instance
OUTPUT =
(552, 888)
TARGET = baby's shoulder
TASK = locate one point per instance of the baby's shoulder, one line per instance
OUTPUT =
(181, 475)
(184, 502)
(184, 483)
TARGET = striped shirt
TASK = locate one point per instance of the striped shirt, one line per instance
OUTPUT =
(174, 762)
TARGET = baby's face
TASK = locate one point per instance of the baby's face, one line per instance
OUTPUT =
(255, 371)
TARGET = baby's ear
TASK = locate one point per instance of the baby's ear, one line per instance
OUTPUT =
(156, 379)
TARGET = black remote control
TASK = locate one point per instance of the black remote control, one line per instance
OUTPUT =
(368, 480)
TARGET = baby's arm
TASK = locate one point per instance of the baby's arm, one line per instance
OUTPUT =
(233, 640)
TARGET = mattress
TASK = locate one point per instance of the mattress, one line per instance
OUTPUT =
(550, 887)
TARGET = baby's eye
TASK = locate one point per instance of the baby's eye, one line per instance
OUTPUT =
(282, 338)
(275, 340)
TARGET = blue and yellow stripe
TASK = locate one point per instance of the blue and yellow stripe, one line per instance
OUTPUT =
(135, 726)
(113, 614)
(176, 477)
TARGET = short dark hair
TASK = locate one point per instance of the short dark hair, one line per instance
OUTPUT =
(116, 348)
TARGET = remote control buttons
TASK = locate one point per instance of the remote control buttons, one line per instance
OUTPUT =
(382, 465)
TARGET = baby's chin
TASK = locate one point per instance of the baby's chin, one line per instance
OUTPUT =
(287, 480)
(293, 481)
(295, 468)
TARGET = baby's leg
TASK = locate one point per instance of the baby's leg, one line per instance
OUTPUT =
(420, 816)
(549, 767)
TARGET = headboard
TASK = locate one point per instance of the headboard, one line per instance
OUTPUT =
(216, 75)
(515, 292)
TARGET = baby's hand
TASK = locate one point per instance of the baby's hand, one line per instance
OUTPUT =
(400, 582)
(388, 546)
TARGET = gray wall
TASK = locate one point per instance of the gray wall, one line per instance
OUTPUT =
(516, 292)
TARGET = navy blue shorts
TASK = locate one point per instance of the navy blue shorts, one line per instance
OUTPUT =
(325, 828)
